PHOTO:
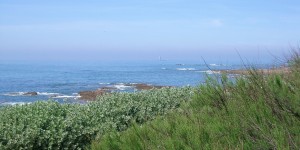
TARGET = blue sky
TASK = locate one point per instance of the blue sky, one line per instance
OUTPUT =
(146, 29)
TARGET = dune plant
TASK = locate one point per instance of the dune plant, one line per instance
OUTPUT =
(51, 125)
(253, 112)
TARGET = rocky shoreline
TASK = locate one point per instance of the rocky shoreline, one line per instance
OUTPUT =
(92, 95)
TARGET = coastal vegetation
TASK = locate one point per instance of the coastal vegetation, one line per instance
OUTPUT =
(51, 125)
(257, 111)
(253, 111)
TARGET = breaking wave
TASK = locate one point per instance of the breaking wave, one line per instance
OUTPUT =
(210, 72)
(186, 69)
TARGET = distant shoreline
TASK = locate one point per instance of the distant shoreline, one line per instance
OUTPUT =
(280, 70)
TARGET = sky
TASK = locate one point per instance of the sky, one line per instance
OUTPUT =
(146, 29)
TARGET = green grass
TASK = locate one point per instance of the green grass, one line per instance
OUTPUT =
(50, 125)
(253, 112)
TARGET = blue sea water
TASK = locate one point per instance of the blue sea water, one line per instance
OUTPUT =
(63, 81)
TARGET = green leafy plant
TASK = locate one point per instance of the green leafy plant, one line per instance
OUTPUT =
(51, 125)
(253, 112)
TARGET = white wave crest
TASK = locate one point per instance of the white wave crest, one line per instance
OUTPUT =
(24, 94)
(13, 103)
(122, 87)
(14, 94)
(210, 72)
(133, 83)
(185, 69)
(104, 83)
(214, 65)
(47, 94)
(217, 65)
(66, 97)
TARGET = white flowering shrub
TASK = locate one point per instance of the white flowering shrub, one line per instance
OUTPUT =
(51, 125)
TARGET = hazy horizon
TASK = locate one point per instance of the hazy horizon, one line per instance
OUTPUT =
(93, 30)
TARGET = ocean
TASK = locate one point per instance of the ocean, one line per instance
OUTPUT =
(63, 81)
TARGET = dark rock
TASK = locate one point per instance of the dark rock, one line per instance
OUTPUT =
(108, 89)
(142, 86)
(91, 95)
(30, 94)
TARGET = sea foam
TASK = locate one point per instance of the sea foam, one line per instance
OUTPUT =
(14, 94)
(47, 94)
(122, 87)
(66, 97)
(210, 72)
(13, 103)
(186, 69)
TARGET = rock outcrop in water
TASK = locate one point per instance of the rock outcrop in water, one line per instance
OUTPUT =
(30, 94)
(92, 95)
(142, 86)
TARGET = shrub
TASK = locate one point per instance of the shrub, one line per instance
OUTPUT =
(51, 125)
(253, 112)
